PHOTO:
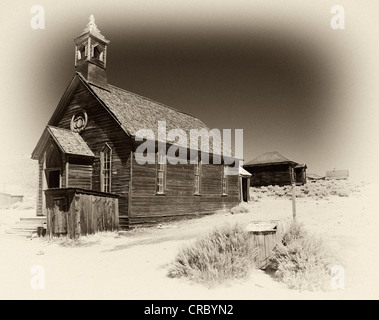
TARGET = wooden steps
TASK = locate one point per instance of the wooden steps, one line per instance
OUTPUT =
(123, 222)
(26, 227)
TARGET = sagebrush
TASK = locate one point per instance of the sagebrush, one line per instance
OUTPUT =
(317, 190)
(302, 260)
(241, 208)
(228, 252)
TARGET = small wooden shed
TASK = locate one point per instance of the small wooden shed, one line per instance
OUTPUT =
(273, 168)
(266, 235)
(74, 212)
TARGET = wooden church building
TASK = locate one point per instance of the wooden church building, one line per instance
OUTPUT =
(89, 179)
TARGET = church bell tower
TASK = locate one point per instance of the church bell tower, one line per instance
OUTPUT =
(91, 55)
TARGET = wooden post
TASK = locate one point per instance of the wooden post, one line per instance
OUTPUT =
(48, 220)
(240, 183)
(44, 185)
(130, 185)
(77, 202)
(293, 183)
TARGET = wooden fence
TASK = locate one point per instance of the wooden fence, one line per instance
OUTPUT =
(75, 212)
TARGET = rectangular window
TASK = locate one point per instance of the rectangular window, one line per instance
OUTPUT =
(106, 163)
(161, 173)
(224, 181)
(197, 178)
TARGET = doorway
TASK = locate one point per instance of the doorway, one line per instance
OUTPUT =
(245, 189)
(53, 179)
(53, 168)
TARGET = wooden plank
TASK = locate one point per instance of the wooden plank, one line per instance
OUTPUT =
(78, 204)
(260, 243)
(130, 198)
(268, 247)
(90, 216)
(116, 214)
(49, 216)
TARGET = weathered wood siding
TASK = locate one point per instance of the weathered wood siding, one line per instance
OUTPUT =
(80, 175)
(40, 191)
(301, 176)
(75, 212)
(101, 128)
(140, 185)
(179, 199)
(269, 175)
(41, 177)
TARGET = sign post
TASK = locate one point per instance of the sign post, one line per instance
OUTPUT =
(293, 183)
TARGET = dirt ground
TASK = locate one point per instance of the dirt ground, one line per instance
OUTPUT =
(134, 265)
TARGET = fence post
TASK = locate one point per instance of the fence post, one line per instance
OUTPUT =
(293, 183)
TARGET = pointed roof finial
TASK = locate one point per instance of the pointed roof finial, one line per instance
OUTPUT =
(92, 19)
(91, 28)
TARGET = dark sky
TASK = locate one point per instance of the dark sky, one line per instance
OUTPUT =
(278, 71)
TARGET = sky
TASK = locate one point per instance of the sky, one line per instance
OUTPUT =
(275, 69)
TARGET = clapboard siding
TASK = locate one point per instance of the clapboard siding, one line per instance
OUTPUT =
(39, 195)
(101, 128)
(270, 175)
(136, 184)
(80, 176)
(179, 199)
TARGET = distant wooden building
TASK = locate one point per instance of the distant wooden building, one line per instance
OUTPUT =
(272, 168)
(7, 199)
(313, 177)
(337, 175)
(89, 145)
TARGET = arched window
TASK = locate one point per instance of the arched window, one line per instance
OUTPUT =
(96, 52)
(224, 181)
(105, 168)
(197, 177)
(161, 172)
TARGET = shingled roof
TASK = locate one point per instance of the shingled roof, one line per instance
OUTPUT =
(136, 114)
(272, 157)
(70, 142)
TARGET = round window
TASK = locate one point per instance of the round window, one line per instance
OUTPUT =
(79, 121)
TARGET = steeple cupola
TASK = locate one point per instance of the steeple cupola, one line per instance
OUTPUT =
(91, 55)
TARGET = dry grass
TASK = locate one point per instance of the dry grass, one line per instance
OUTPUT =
(241, 208)
(303, 261)
(317, 190)
(226, 253)
(83, 241)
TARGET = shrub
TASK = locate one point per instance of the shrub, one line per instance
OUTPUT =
(254, 197)
(317, 190)
(241, 208)
(302, 260)
(226, 253)
(343, 193)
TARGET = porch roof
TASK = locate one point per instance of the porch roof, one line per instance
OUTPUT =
(69, 142)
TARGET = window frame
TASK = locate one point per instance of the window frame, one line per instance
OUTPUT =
(106, 172)
(160, 188)
(224, 181)
(197, 178)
